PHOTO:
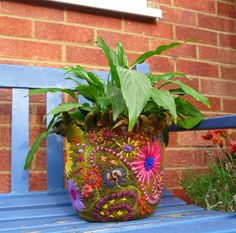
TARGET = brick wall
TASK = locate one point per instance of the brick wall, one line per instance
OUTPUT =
(55, 35)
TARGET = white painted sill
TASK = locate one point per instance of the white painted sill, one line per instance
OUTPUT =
(133, 7)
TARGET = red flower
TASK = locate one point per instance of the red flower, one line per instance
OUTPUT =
(208, 136)
(223, 132)
(233, 147)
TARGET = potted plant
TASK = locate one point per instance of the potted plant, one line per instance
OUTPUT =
(115, 147)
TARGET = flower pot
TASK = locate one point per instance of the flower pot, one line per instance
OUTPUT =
(113, 175)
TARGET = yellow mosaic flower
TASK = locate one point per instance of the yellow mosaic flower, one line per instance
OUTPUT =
(128, 148)
(69, 162)
(106, 136)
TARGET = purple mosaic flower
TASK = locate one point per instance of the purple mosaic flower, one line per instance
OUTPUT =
(76, 198)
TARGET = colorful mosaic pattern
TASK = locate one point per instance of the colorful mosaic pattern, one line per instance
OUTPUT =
(113, 175)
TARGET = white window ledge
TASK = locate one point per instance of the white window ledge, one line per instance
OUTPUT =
(133, 7)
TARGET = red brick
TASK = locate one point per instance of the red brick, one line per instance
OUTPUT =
(160, 64)
(201, 36)
(186, 50)
(192, 138)
(214, 102)
(171, 178)
(130, 42)
(5, 94)
(5, 181)
(218, 87)
(29, 50)
(38, 98)
(149, 28)
(226, 9)
(87, 56)
(180, 193)
(5, 158)
(179, 158)
(94, 19)
(228, 41)
(53, 31)
(173, 136)
(203, 5)
(176, 15)
(216, 23)
(34, 132)
(5, 136)
(228, 72)
(216, 54)
(38, 181)
(197, 68)
(40, 160)
(15, 27)
(229, 105)
(41, 10)
(205, 156)
(5, 113)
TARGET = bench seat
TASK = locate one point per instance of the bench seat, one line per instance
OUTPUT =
(52, 212)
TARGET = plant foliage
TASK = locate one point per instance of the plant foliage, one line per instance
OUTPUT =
(127, 94)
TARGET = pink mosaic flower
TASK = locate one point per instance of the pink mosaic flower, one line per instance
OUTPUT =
(148, 161)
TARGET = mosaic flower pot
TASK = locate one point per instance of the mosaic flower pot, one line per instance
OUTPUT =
(113, 175)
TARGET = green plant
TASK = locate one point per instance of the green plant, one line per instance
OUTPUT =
(215, 190)
(128, 98)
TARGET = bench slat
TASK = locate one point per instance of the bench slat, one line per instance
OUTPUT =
(15, 76)
(55, 162)
(222, 122)
(19, 140)
(59, 217)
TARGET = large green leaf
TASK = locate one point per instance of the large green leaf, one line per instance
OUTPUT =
(189, 115)
(109, 53)
(112, 58)
(117, 100)
(103, 103)
(166, 100)
(151, 53)
(65, 107)
(99, 82)
(52, 90)
(91, 78)
(136, 90)
(34, 149)
(189, 91)
(89, 92)
(167, 76)
(81, 73)
(121, 56)
(77, 115)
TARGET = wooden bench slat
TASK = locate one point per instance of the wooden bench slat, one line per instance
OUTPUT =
(19, 140)
(55, 161)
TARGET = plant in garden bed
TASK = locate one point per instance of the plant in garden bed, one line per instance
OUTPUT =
(215, 190)
(115, 143)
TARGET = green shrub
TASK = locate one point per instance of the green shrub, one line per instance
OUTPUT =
(216, 189)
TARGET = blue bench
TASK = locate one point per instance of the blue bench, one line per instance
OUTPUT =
(51, 210)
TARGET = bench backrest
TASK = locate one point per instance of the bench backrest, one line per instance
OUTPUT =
(21, 79)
